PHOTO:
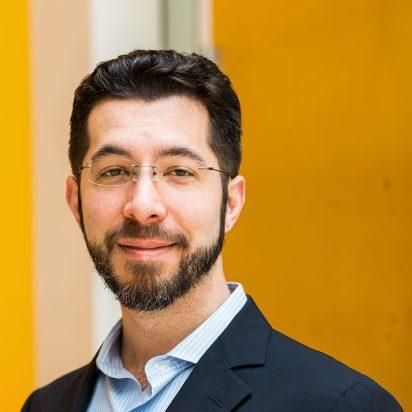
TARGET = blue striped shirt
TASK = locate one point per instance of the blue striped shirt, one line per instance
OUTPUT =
(118, 390)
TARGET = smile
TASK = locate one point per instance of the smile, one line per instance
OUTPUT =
(145, 250)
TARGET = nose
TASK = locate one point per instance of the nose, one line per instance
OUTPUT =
(144, 203)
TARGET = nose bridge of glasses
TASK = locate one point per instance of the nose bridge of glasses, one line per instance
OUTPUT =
(137, 169)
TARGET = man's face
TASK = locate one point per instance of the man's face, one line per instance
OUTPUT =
(152, 241)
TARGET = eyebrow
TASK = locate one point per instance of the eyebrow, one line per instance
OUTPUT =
(108, 150)
(169, 152)
(181, 151)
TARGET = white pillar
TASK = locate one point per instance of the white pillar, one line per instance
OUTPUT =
(117, 27)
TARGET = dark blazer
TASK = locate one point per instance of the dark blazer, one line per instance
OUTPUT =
(250, 367)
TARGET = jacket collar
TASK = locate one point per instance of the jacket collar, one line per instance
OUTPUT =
(212, 385)
(246, 338)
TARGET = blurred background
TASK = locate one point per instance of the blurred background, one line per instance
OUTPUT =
(324, 244)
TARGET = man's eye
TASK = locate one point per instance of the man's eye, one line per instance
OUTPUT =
(180, 172)
(114, 172)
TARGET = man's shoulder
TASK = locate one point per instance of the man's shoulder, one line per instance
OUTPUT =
(284, 352)
(302, 373)
(53, 394)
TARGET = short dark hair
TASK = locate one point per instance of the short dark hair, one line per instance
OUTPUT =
(153, 74)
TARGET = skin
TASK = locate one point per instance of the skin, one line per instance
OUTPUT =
(143, 128)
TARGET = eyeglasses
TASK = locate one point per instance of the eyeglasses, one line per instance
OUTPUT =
(118, 171)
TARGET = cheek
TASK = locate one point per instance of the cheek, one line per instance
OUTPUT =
(198, 216)
(100, 214)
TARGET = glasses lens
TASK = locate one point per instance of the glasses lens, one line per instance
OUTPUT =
(110, 171)
(180, 174)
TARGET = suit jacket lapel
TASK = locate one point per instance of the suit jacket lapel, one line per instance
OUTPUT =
(213, 385)
(85, 387)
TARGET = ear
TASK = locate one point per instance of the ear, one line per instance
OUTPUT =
(72, 196)
(235, 201)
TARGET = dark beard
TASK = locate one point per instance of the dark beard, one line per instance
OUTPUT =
(147, 291)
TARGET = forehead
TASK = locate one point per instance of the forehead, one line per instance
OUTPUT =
(145, 127)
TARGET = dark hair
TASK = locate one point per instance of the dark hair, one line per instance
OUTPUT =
(152, 74)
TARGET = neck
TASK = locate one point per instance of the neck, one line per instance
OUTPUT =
(149, 334)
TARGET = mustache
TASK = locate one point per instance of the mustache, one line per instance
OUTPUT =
(134, 230)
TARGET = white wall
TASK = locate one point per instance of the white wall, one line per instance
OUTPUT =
(119, 26)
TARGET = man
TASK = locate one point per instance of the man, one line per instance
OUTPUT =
(155, 155)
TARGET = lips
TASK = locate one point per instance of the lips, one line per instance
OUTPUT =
(145, 249)
(144, 244)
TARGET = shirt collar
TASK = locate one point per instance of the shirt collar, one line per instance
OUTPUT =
(195, 345)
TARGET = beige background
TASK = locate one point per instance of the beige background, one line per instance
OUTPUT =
(63, 307)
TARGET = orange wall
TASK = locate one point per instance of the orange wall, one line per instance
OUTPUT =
(16, 351)
(325, 241)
